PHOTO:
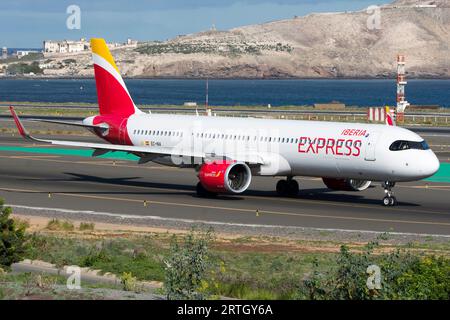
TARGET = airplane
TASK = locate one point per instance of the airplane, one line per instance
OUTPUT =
(227, 152)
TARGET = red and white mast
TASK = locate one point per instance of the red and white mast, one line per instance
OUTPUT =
(401, 84)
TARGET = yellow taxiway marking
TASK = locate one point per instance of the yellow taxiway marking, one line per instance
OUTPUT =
(430, 187)
(305, 201)
(32, 157)
(28, 145)
(252, 211)
(116, 163)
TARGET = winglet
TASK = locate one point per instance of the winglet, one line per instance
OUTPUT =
(23, 132)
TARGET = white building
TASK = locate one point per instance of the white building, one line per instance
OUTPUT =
(66, 46)
(132, 43)
(4, 53)
(70, 46)
(23, 53)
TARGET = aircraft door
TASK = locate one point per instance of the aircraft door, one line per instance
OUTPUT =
(371, 143)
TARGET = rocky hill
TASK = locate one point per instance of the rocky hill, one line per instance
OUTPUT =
(325, 45)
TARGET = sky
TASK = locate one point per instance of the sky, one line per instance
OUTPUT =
(27, 23)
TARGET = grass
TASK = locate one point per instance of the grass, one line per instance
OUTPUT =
(52, 287)
(254, 268)
(255, 275)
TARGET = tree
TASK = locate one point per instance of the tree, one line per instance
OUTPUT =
(13, 241)
(186, 268)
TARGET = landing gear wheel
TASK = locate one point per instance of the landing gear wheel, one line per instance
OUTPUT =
(203, 193)
(389, 199)
(282, 187)
(293, 187)
(392, 201)
(287, 188)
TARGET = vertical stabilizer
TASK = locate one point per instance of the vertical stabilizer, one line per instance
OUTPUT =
(112, 93)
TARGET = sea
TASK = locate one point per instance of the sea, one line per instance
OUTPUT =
(360, 93)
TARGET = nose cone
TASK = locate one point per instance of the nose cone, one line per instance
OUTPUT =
(426, 164)
(432, 166)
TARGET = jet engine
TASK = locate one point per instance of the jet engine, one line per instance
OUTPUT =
(225, 177)
(346, 184)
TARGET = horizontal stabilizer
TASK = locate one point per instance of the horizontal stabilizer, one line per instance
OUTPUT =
(72, 123)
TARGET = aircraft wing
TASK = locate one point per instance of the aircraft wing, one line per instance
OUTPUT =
(143, 151)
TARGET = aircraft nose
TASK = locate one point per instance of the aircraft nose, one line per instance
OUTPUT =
(434, 165)
(431, 166)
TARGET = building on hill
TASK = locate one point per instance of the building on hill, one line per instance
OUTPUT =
(4, 53)
(70, 46)
(66, 46)
(23, 53)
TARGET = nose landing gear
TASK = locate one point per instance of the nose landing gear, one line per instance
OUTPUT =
(389, 200)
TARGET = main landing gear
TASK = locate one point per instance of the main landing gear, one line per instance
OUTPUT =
(389, 200)
(288, 187)
(203, 193)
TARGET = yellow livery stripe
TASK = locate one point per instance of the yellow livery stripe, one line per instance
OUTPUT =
(99, 47)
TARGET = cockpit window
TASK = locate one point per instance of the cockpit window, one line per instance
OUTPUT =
(406, 145)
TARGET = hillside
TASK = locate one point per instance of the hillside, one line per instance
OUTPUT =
(326, 45)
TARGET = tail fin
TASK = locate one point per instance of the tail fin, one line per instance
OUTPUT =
(389, 117)
(113, 95)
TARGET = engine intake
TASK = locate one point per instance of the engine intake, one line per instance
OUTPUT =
(346, 184)
(225, 177)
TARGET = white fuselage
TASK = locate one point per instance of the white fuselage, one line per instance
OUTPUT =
(291, 148)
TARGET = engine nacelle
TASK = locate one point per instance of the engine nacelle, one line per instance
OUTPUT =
(346, 184)
(225, 177)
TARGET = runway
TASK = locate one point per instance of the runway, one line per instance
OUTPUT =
(61, 180)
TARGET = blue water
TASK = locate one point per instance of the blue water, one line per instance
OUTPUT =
(235, 92)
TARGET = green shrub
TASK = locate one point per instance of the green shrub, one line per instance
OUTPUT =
(85, 226)
(57, 225)
(24, 68)
(428, 278)
(69, 61)
(403, 276)
(94, 257)
(187, 267)
(130, 283)
(13, 241)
